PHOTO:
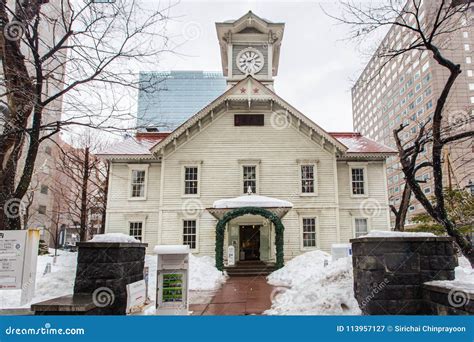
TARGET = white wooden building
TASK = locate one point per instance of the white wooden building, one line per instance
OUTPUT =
(173, 188)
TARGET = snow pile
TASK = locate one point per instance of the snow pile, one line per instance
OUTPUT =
(464, 278)
(299, 269)
(58, 283)
(464, 272)
(203, 275)
(387, 233)
(324, 291)
(114, 237)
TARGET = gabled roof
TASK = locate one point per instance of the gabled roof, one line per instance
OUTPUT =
(358, 144)
(144, 145)
(249, 89)
(132, 147)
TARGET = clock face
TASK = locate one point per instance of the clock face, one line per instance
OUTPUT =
(250, 61)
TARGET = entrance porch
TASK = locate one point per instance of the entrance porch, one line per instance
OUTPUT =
(252, 225)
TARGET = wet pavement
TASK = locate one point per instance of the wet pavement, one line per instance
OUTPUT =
(238, 296)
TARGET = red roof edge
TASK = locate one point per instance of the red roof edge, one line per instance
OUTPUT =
(158, 136)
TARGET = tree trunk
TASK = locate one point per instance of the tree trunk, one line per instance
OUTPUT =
(84, 193)
(105, 191)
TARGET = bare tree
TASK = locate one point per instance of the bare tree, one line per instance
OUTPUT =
(79, 187)
(400, 213)
(94, 45)
(426, 29)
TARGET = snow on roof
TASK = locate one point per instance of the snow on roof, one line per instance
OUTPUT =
(139, 145)
(388, 233)
(171, 249)
(251, 201)
(114, 237)
(356, 143)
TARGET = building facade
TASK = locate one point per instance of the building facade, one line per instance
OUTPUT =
(248, 170)
(405, 91)
(167, 99)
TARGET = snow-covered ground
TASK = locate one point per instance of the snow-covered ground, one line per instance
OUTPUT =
(305, 286)
(315, 289)
(204, 277)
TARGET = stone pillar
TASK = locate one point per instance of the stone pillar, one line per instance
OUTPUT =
(104, 269)
(389, 272)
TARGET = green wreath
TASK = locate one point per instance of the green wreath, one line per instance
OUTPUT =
(220, 230)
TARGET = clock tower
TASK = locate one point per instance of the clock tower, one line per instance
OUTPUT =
(250, 45)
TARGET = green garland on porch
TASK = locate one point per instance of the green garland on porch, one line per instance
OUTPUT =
(220, 230)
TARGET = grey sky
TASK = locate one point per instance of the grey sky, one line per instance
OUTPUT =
(317, 67)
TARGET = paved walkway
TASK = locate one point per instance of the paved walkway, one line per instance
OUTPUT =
(238, 296)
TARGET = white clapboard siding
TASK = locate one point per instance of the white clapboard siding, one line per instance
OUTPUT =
(220, 150)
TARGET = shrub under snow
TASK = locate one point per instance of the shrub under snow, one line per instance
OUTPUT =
(315, 289)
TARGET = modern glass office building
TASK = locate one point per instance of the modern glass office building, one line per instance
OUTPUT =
(166, 99)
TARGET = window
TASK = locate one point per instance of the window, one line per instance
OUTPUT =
(250, 178)
(309, 232)
(471, 86)
(42, 209)
(468, 60)
(249, 120)
(469, 73)
(307, 179)
(44, 189)
(467, 47)
(427, 190)
(136, 230)
(361, 227)
(138, 183)
(429, 105)
(47, 150)
(191, 180)
(358, 181)
(189, 233)
(465, 34)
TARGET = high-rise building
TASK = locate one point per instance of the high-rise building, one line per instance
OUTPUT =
(167, 99)
(405, 91)
(38, 202)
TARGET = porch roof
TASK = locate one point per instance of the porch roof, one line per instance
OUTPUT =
(277, 206)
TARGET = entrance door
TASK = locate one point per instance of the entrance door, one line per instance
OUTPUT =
(265, 243)
(249, 242)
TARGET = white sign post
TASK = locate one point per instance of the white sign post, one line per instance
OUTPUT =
(341, 250)
(231, 255)
(18, 257)
(172, 280)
